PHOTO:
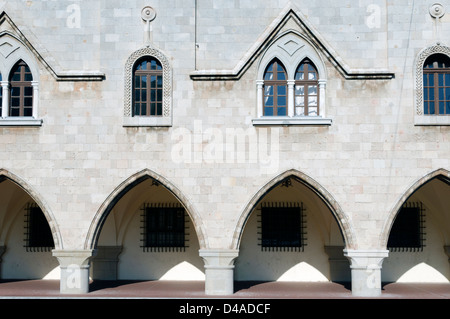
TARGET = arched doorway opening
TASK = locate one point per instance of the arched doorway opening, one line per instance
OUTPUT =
(28, 233)
(145, 231)
(417, 233)
(294, 231)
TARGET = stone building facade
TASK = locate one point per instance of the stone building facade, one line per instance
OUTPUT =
(283, 138)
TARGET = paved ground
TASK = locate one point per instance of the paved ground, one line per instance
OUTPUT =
(192, 290)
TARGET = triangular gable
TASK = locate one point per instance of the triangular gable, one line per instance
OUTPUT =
(287, 16)
(9, 30)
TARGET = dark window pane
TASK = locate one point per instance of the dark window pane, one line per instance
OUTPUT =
(281, 101)
(159, 109)
(28, 111)
(28, 77)
(268, 111)
(281, 90)
(14, 112)
(137, 81)
(15, 91)
(28, 91)
(15, 101)
(281, 111)
(268, 101)
(152, 109)
(28, 101)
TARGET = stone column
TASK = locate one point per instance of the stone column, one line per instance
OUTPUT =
(259, 98)
(5, 99)
(219, 271)
(291, 97)
(74, 266)
(365, 268)
(35, 85)
(105, 262)
(322, 104)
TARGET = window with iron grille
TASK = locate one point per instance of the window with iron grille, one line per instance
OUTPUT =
(436, 85)
(282, 227)
(21, 90)
(408, 230)
(275, 90)
(38, 236)
(164, 227)
(148, 88)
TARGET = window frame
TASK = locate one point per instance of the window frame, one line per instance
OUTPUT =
(165, 120)
(307, 83)
(434, 73)
(290, 49)
(21, 69)
(421, 119)
(275, 83)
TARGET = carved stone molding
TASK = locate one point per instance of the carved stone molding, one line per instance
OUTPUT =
(167, 79)
(424, 54)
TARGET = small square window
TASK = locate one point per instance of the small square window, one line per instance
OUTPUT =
(38, 236)
(282, 227)
(407, 233)
(164, 228)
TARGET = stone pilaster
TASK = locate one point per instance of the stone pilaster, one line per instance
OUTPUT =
(339, 265)
(74, 266)
(2, 251)
(219, 271)
(105, 262)
(365, 268)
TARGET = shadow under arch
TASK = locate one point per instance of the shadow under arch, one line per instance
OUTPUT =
(324, 195)
(441, 174)
(104, 210)
(56, 234)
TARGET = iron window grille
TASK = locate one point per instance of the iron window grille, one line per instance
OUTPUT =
(436, 85)
(164, 227)
(21, 91)
(408, 230)
(282, 226)
(38, 235)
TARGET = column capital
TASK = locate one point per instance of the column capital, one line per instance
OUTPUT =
(366, 259)
(219, 258)
(67, 257)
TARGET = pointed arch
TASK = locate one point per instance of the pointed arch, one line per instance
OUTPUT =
(441, 174)
(104, 210)
(56, 234)
(314, 186)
